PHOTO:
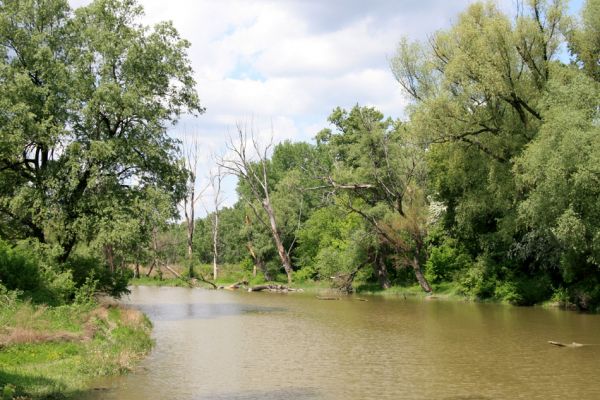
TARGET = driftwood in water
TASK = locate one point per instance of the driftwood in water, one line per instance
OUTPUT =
(273, 288)
(559, 344)
(327, 298)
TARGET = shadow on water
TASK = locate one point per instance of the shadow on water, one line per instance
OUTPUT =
(277, 394)
(179, 312)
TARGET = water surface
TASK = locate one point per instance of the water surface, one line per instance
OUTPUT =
(238, 345)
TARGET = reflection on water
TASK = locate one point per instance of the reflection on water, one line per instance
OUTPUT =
(280, 394)
(238, 345)
(177, 312)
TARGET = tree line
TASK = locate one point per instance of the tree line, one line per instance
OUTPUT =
(490, 185)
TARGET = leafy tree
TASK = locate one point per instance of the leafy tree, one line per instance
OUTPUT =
(559, 176)
(380, 172)
(584, 39)
(86, 97)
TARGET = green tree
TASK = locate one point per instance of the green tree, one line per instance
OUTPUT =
(86, 97)
(559, 176)
(380, 171)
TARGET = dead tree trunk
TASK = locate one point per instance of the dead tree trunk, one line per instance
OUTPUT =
(190, 155)
(215, 182)
(254, 173)
(258, 262)
(283, 255)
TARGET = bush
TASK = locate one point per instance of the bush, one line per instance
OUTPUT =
(19, 269)
(82, 267)
(444, 262)
(478, 281)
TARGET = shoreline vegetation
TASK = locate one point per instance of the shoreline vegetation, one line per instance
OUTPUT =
(55, 352)
(446, 291)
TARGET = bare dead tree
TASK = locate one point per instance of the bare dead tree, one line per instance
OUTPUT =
(215, 181)
(254, 173)
(190, 153)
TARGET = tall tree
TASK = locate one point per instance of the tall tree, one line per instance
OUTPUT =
(380, 172)
(190, 157)
(86, 98)
(476, 90)
(254, 174)
(216, 179)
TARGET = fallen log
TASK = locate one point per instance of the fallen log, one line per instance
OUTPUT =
(234, 286)
(273, 288)
(203, 279)
(559, 344)
(327, 298)
(260, 288)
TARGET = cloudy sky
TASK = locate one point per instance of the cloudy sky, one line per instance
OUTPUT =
(285, 64)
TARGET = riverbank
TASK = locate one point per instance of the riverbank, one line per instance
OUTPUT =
(446, 291)
(53, 352)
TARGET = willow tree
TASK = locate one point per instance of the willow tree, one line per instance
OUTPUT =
(476, 90)
(86, 97)
(376, 172)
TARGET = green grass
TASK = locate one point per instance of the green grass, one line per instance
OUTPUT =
(445, 290)
(52, 353)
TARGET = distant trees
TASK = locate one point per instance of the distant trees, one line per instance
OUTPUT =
(490, 183)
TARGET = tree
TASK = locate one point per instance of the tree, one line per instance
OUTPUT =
(254, 174)
(380, 171)
(559, 176)
(190, 157)
(584, 39)
(85, 101)
(476, 92)
(216, 178)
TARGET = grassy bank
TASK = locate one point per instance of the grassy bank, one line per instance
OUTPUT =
(53, 352)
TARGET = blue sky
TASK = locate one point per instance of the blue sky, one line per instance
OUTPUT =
(285, 64)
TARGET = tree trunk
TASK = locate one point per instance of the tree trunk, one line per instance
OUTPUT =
(419, 274)
(108, 254)
(215, 244)
(258, 262)
(283, 255)
(189, 216)
(382, 273)
(136, 273)
(150, 269)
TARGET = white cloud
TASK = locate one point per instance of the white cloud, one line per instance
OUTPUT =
(286, 64)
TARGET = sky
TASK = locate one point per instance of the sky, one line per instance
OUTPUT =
(284, 65)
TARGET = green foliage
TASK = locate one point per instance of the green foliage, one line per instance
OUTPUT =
(19, 269)
(88, 268)
(445, 261)
(106, 341)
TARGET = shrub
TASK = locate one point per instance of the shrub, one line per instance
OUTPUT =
(444, 262)
(19, 269)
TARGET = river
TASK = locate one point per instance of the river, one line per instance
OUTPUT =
(238, 345)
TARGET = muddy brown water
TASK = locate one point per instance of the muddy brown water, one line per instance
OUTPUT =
(242, 346)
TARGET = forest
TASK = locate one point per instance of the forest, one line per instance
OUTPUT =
(489, 186)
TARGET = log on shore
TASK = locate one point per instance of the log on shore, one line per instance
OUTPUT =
(234, 286)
